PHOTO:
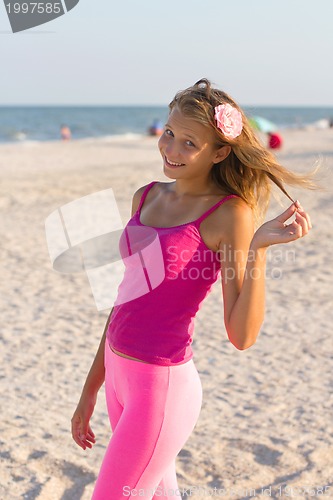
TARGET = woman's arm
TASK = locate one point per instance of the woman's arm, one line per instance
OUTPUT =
(96, 375)
(81, 430)
(243, 266)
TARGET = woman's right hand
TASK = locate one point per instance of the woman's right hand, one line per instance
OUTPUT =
(278, 231)
(81, 430)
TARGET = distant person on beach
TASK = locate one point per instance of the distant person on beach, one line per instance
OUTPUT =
(208, 220)
(156, 128)
(274, 140)
(65, 133)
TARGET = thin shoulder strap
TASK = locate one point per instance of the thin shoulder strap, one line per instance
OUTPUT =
(144, 195)
(214, 207)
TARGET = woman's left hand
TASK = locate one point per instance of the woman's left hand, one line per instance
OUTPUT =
(277, 231)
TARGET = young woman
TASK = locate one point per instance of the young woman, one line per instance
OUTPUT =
(205, 221)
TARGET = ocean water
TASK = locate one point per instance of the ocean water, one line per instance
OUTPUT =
(42, 123)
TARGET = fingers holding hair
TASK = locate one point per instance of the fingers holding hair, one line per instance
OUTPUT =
(301, 211)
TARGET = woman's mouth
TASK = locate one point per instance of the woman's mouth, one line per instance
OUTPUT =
(172, 164)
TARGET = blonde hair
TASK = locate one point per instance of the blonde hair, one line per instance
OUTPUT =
(250, 168)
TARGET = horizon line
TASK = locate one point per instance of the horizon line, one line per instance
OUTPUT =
(138, 105)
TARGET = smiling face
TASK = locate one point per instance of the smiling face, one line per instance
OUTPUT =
(188, 148)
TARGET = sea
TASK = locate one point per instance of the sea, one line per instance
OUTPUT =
(42, 123)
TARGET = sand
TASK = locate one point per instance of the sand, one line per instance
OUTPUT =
(265, 427)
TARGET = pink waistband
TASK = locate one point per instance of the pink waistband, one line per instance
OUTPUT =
(140, 365)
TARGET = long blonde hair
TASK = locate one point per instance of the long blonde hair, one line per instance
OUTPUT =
(249, 169)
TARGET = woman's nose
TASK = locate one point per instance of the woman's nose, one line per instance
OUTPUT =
(172, 151)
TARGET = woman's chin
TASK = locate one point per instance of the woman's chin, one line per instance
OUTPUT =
(170, 174)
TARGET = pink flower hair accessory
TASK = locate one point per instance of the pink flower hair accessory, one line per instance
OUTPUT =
(228, 120)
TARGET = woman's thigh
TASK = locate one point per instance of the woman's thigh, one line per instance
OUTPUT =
(157, 408)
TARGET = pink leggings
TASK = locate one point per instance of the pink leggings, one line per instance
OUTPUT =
(153, 410)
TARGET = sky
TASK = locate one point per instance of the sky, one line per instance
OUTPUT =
(261, 52)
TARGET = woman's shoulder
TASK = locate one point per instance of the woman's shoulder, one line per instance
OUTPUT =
(238, 218)
(236, 210)
(233, 217)
(139, 193)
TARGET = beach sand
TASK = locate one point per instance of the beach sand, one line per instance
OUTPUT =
(266, 421)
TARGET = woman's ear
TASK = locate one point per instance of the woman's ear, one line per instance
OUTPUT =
(222, 153)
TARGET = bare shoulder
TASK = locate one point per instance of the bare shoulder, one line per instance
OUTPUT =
(238, 210)
(232, 218)
(138, 195)
(238, 220)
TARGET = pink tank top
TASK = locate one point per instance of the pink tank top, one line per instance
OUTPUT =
(168, 273)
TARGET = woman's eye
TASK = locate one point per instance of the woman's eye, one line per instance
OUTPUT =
(169, 132)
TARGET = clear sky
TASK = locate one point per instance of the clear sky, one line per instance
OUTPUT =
(262, 52)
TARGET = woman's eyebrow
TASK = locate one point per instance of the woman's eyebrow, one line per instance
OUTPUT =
(192, 137)
(185, 133)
